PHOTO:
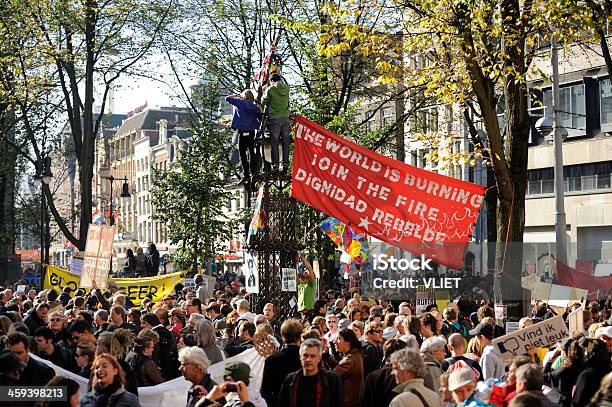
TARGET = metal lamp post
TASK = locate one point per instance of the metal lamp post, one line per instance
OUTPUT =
(125, 193)
(43, 177)
(545, 126)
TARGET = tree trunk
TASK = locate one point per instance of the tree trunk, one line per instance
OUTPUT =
(7, 186)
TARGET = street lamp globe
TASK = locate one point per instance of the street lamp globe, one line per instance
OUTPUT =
(545, 125)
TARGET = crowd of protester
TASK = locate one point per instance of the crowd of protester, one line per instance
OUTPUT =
(343, 349)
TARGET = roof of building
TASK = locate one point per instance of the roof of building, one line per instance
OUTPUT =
(148, 119)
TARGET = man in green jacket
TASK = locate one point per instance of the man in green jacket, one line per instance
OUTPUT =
(276, 99)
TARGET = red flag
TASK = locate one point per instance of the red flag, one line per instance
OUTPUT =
(408, 207)
(565, 275)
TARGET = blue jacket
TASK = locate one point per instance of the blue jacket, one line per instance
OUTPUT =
(246, 114)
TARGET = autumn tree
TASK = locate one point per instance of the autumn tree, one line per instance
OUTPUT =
(478, 55)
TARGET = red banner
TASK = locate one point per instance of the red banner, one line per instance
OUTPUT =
(567, 276)
(408, 207)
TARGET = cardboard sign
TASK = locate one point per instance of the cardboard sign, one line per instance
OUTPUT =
(288, 280)
(542, 334)
(251, 272)
(442, 299)
(98, 254)
(575, 320)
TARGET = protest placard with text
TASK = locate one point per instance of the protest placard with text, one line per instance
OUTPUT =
(540, 335)
(411, 208)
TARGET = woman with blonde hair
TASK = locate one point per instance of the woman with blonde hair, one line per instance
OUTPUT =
(108, 385)
(473, 350)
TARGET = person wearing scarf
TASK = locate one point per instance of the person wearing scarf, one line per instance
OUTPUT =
(108, 389)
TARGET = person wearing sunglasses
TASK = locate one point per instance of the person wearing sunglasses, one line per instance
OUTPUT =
(372, 347)
(56, 324)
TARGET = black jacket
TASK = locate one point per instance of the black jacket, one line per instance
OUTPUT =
(120, 398)
(372, 357)
(378, 388)
(235, 347)
(276, 368)
(588, 383)
(36, 373)
(166, 353)
(331, 392)
(33, 321)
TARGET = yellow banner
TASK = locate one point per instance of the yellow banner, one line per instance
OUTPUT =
(134, 288)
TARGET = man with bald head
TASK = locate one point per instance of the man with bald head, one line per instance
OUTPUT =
(455, 346)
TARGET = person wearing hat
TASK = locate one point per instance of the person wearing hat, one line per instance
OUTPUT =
(10, 368)
(604, 334)
(409, 371)
(462, 384)
(235, 390)
(491, 363)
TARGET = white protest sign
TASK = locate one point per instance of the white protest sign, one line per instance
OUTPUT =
(189, 283)
(541, 291)
(539, 335)
(76, 266)
(424, 297)
(575, 320)
(21, 289)
(250, 272)
(501, 311)
(288, 280)
(511, 327)
(561, 296)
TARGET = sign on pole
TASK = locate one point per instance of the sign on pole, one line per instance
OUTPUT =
(575, 320)
(288, 280)
(540, 335)
(251, 272)
(98, 252)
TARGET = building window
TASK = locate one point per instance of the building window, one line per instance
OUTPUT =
(427, 121)
(583, 177)
(385, 116)
(605, 92)
(571, 106)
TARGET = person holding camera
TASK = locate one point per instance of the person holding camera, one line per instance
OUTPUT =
(235, 390)
(194, 367)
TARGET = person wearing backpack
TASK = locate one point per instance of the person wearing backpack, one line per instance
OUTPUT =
(451, 324)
